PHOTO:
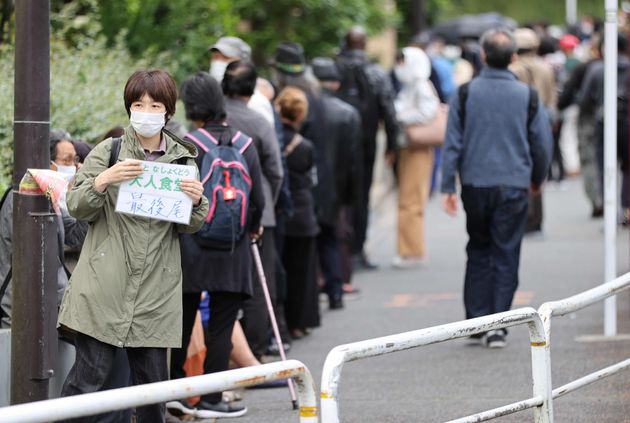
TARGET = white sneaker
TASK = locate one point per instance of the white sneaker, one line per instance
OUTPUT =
(180, 408)
(408, 262)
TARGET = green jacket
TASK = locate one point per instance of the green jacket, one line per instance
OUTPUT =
(126, 289)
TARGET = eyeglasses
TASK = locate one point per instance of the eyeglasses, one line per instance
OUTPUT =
(68, 161)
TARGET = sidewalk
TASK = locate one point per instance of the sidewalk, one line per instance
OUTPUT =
(454, 379)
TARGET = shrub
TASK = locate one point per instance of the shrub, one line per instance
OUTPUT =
(86, 92)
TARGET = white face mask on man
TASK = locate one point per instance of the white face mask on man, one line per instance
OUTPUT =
(67, 171)
(217, 69)
(147, 124)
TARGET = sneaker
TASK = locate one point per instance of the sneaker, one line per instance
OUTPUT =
(408, 262)
(273, 349)
(207, 410)
(478, 338)
(180, 408)
(496, 339)
(335, 303)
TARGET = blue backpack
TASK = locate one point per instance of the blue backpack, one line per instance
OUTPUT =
(226, 185)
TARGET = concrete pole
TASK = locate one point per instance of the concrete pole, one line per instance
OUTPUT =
(610, 162)
(34, 293)
(571, 8)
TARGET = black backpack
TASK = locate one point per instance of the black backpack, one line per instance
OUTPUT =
(226, 184)
(355, 86)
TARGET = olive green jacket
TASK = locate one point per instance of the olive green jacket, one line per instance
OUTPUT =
(126, 289)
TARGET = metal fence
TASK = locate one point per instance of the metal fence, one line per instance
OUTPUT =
(136, 396)
(539, 324)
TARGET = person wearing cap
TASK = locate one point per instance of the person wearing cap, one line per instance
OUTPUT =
(367, 87)
(499, 155)
(532, 70)
(344, 143)
(230, 49)
(291, 70)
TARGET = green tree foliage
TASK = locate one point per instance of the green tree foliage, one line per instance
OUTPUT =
(185, 29)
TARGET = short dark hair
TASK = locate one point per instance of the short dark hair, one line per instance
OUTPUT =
(202, 98)
(157, 83)
(499, 46)
(239, 79)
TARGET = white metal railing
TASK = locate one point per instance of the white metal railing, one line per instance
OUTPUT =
(135, 396)
(539, 323)
(374, 347)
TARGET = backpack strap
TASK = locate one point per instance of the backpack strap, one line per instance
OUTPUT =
(7, 278)
(295, 141)
(532, 106)
(202, 139)
(241, 142)
(115, 151)
(463, 96)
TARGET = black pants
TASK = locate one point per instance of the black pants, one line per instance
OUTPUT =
(94, 362)
(495, 221)
(330, 261)
(224, 307)
(361, 210)
(255, 319)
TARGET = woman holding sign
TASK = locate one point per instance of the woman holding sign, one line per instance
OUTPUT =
(126, 289)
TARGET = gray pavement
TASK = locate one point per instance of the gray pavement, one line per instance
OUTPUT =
(453, 379)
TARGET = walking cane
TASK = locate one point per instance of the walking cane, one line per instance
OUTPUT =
(272, 316)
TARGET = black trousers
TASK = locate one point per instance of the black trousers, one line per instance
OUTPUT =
(330, 261)
(255, 319)
(360, 213)
(495, 221)
(224, 308)
(94, 362)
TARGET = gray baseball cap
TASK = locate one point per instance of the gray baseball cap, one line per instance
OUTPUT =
(232, 47)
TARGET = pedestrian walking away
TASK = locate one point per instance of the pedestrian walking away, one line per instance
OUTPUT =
(499, 154)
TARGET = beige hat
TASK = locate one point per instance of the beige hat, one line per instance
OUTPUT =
(526, 39)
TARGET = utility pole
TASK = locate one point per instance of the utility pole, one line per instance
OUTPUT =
(35, 249)
(419, 16)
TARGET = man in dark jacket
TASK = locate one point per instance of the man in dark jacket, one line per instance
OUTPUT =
(499, 155)
(366, 86)
(238, 85)
(592, 99)
(290, 66)
(585, 130)
(344, 143)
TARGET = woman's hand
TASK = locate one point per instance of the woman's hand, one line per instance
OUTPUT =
(120, 172)
(192, 188)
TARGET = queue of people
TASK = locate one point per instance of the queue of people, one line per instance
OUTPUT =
(287, 164)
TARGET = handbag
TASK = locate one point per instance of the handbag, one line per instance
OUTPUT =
(429, 134)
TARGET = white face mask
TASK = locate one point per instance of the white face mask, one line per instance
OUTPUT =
(147, 124)
(217, 69)
(67, 171)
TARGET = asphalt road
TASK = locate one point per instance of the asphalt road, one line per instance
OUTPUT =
(454, 379)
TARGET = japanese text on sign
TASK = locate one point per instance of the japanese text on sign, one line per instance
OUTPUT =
(157, 193)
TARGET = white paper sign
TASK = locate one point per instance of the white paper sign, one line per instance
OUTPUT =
(157, 194)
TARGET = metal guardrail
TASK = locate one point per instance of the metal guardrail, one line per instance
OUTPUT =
(539, 323)
(135, 396)
(403, 341)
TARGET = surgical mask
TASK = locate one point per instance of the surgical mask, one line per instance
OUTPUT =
(217, 69)
(67, 171)
(147, 124)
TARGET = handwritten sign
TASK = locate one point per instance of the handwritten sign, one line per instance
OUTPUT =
(157, 193)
